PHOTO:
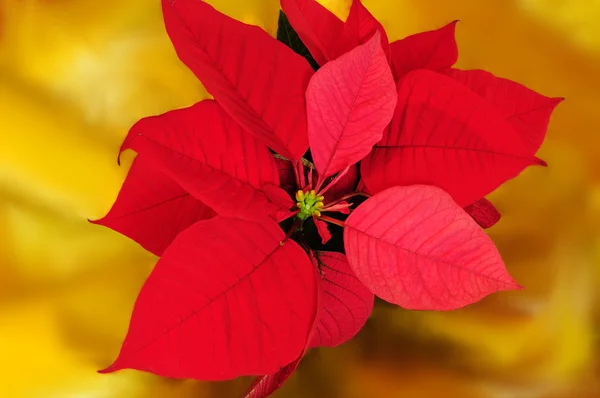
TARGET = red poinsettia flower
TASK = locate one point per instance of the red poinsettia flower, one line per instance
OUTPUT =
(238, 289)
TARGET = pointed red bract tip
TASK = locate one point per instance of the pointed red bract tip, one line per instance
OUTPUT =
(111, 369)
(541, 162)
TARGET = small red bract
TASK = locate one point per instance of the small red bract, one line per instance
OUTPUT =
(227, 190)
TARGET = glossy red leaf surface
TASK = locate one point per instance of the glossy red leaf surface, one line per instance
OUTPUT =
(346, 302)
(414, 247)
(152, 209)
(210, 156)
(323, 230)
(258, 80)
(344, 185)
(350, 101)
(228, 298)
(484, 213)
(527, 111)
(359, 28)
(435, 50)
(317, 27)
(264, 386)
(445, 135)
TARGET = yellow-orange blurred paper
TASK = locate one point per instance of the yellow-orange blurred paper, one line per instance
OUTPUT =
(75, 74)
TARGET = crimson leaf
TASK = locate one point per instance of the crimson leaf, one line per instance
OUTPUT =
(267, 99)
(152, 209)
(228, 298)
(210, 155)
(445, 135)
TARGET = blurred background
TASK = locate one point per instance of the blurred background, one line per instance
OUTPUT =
(75, 74)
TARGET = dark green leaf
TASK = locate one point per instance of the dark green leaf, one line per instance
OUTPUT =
(288, 36)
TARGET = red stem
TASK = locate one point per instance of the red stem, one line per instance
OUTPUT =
(346, 197)
(299, 172)
(332, 221)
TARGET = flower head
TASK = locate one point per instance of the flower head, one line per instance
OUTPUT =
(239, 289)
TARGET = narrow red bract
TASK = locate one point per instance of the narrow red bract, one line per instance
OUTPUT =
(240, 288)
(350, 101)
(414, 247)
(323, 230)
(203, 292)
(267, 99)
(152, 209)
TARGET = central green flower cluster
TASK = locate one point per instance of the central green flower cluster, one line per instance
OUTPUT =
(309, 203)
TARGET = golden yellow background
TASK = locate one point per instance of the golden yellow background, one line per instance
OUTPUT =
(75, 74)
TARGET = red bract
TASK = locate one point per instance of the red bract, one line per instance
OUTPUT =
(239, 290)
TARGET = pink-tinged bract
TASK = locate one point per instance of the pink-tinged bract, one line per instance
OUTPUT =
(445, 135)
(267, 99)
(215, 160)
(350, 101)
(345, 305)
(152, 209)
(199, 314)
(415, 247)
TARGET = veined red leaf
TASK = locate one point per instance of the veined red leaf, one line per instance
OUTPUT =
(318, 28)
(346, 302)
(435, 50)
(527, 111)
(344, 308)
(323, 230)
(359, 28)
(344, 186)
(263, 386)
(152, 209)
(211, 157)
(445, 135)
(350, 101)
(484, 213)
(414, 247)
(228, 298)
(258, 80)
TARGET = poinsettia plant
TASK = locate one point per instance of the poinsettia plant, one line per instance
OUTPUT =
(332, 131)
